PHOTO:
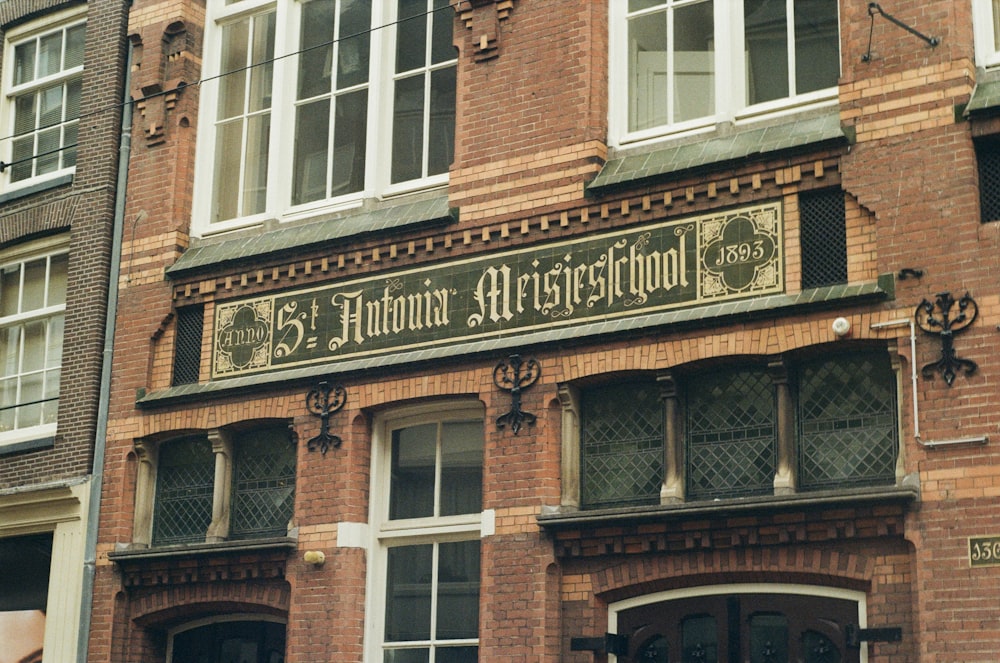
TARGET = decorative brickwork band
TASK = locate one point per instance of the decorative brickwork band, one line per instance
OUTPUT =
(946, 326)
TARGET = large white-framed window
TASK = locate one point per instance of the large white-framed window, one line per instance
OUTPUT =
(319, 104)
(427, 520)
(32, 316)
(986, 20)
(41, 100)
(685, 65)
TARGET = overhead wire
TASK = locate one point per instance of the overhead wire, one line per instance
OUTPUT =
(183, 85)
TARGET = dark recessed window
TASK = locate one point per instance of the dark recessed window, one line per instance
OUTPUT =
(187, 349)
(988, 161)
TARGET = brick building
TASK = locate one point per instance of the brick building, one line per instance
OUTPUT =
(523, 330)
(62, 68)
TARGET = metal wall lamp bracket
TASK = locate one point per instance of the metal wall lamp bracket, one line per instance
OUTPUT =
(508, 376)
(944, 325)
(323, 400)
(875, 8)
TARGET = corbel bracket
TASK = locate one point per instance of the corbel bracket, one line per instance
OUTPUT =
(323, 400)
(937, 319)
(508, 376)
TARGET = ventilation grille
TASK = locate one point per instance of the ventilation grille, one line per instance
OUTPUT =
(988, 157)
(187, 351)
(823, 238)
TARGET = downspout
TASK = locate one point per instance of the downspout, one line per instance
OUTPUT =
(101, 435)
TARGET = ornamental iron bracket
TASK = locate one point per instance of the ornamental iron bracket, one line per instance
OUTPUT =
(855, 635)
(508, 376)
(944, 325)
(323, 400)
(611, 643)
(875, 8)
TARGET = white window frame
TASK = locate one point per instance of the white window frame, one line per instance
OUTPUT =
(986, 24)
(57, 22)
(281, 153)
(729, 88)
(45, 248)
(386, 533)
(746, 588)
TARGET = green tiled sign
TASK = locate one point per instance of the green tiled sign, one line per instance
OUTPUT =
(682, 263)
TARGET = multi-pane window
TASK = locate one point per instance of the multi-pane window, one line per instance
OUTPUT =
(323, 102)
(32, 315)
(986, 17)
(726, 437)
(682, 64)
(255, 498)
(429, 538)
(42, 93)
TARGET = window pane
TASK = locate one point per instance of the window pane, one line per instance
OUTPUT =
(349, 143)
(731, 434)
(411, 492)
(768, 638)
(50, 106)
(74, 46)
(10, 289)
(456, 655)
(234, 57)
(693, 92)
(817, 45)
(315, 64)
(312, 127)
(847, 419)
(355, 43)
(35, 273)
(32, 391)
(261, 70)
(10, 350)
(255, 179)
(699, 636)
(622, 450)
(53, 351)
(184, 485)
(408, 129)
(50, 54)
(73, 98)
(996, 25)
(34, 346)
(58, 266)
(8, 399)
(24, 113)
(458, 590)
(24, 63)
(648, 80)
(50, 408)
(228, 152)
(411, 40)
(421, 655)
(766, 33)
(461, 468)
(263, 484)
(47, 160)
(441, 147)
(442, 48)
(408, 593)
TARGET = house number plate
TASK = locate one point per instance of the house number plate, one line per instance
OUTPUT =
(984, 551)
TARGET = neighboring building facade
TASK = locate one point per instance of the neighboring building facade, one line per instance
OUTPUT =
(61, 72)
(591, 330)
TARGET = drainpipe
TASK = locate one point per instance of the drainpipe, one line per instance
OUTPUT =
(101, 436)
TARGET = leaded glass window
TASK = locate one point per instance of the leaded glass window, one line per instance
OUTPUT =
(847, 421)
(263, 484)
(731, 433)
(185, 482)
(622, 431)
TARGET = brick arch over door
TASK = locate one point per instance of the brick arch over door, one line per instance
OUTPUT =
(177, 604)
(800, 565)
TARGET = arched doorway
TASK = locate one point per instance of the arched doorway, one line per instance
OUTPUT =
(232, 640)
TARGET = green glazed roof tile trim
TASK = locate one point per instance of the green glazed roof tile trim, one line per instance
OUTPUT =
(255, 246)
(985, 95)
(712, 314)
(743, 143)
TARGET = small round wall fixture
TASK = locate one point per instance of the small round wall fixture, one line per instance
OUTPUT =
(841, 327)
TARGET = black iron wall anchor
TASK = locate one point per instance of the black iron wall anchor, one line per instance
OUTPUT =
(508, 376)
(944, 325)
(323, 400)
(875, 8)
